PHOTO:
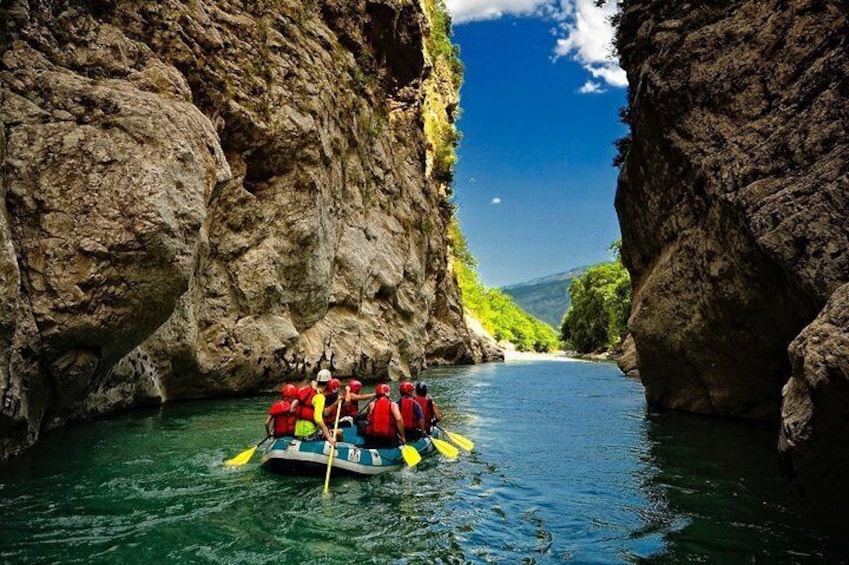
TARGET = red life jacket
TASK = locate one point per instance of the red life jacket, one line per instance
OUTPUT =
(305, 407)
(284, 421)
(408, 412)
(351, 409)
(330, 419)
(427, 410)
(381, 422)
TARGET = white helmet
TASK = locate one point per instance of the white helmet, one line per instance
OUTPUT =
(323, 376)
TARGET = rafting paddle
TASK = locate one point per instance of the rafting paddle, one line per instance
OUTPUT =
(332, 447)
(445, 448)
(244, 456)
(462, 441)
(411, 455)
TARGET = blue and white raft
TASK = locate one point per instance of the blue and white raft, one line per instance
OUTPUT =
(291, 456)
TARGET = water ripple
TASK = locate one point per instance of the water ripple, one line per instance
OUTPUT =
(573, 470)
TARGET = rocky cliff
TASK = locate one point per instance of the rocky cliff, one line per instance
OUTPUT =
(734, 205)
(205, 198)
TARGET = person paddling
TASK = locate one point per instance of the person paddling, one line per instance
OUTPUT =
(411, 412)
(430, 409)
(385, 426)
(310, 408)
(281, 419)
(351, 408)
(331, 399)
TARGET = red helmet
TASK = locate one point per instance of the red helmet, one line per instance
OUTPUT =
(333, 385)
(288, 390)
(406, 387)
(356, 386)
(382, 389)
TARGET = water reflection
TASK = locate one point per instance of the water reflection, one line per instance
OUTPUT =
(716, 495)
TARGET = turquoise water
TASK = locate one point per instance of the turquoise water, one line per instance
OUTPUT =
(569, 467)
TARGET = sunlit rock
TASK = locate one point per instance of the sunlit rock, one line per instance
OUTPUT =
(207, 198)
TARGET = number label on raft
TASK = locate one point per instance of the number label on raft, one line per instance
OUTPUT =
(354, 455)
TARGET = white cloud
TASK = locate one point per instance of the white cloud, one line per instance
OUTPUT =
(586, 34)
(588, 31)
(474, 10)
(592, 87)
(589, 39)
(612, 74)
(495, 201)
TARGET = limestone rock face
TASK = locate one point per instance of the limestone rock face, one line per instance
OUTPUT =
(205, 198)
(627, 358)
(486, 346)
(813, 440)
(733, 200)
(733, 194)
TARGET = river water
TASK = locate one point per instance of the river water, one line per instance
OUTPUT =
(569, 467)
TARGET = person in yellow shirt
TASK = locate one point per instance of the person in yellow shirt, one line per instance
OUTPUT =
(310, 408)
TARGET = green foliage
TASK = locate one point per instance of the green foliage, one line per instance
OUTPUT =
(496, 311)
(616, 247)
(459, 245)
(442, 88)
(623, 146)
(446, 138)
(439, 44)
(601, 305)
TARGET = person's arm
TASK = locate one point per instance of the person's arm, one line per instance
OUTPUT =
(318, 417)
(330, 409)
(268, 424)
(399, 422)
(359, 397)
(437, 415)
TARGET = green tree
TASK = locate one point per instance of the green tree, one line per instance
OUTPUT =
(601, 304)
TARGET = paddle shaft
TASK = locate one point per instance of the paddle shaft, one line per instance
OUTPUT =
(332, 448)
(462, 441)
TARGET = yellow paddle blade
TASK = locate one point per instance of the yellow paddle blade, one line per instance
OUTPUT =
(241, 458)
(410, 455)
(445, 448)
(462, 441)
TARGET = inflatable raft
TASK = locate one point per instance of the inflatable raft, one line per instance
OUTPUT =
(291, 456)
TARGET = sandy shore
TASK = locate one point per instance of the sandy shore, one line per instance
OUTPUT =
(533, 356)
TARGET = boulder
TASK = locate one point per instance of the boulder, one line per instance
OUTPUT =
(814, 440)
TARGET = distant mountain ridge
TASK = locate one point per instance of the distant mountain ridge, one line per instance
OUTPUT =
(546, 298)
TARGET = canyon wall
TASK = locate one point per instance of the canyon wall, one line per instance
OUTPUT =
(733, 200)
(207, 198)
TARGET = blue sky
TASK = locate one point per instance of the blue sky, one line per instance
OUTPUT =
(534, 182)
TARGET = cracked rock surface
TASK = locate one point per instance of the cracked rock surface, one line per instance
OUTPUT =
(207, 198)
(734, 204)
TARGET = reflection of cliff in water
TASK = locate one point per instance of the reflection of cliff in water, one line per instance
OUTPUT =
(715, 487)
